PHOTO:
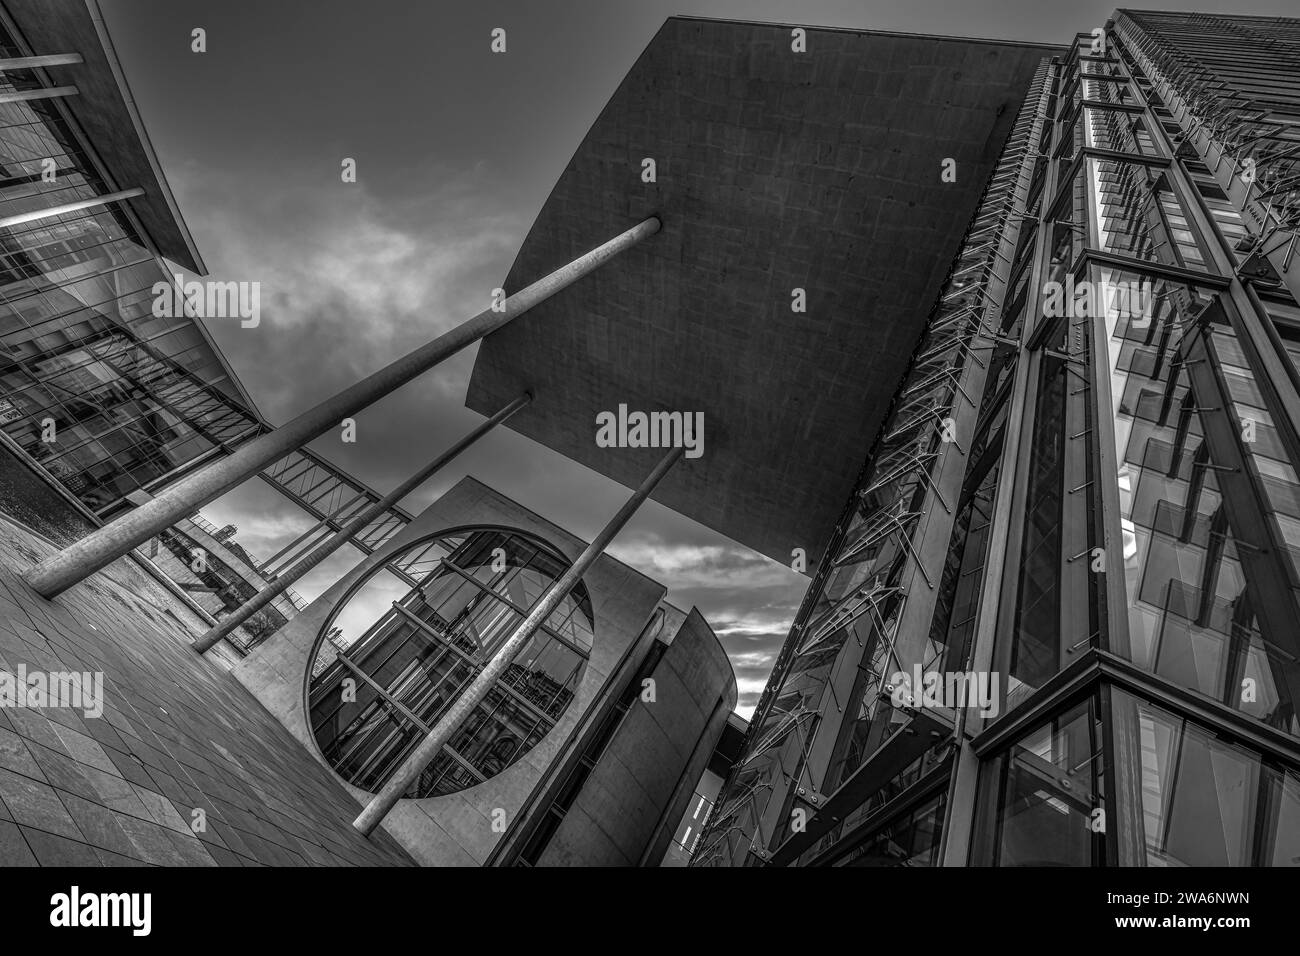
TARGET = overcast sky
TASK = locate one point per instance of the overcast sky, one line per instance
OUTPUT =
(456, 150)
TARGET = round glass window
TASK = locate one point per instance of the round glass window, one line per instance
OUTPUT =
(385, 670)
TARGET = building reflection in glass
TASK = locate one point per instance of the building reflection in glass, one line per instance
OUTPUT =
(1199, 800)
(372, 701)
(1044, 797)
(132, 397)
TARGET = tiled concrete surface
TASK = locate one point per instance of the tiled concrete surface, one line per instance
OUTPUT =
(178, 733)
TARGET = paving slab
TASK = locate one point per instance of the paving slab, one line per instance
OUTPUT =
(180, 743)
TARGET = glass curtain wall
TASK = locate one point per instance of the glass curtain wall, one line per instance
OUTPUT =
(1132, 468)
(97, 389)
(829, 708)
(1191, 480)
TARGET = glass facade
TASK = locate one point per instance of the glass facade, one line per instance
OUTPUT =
(1044, 796)
(107, 397)
(1087, 499)
(875, 608)
(372, 700)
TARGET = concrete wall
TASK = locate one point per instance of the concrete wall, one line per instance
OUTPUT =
(636, 794)
(456, 830)
(774, 171)
(689, 828)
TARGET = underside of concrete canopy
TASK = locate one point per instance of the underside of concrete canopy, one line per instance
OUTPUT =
(774, 170)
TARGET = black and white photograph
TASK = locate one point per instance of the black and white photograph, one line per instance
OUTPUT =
(600, 435)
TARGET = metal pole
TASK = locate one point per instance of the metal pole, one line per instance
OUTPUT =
(306, 541)
(264, 597)
(78, 561)
(48, 59)
(44, 93)
(450, 722)
(265, 566)
(49, 212)
(301, 545)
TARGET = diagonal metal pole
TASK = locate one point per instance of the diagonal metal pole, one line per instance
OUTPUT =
(304, 564)
(450, 722)
(78, 561)
(266, 566)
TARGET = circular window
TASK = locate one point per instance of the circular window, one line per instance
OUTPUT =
(384, 671)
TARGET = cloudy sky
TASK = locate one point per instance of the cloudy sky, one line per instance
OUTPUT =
(456, 151)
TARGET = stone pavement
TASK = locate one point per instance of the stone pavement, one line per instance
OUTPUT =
(177, 734)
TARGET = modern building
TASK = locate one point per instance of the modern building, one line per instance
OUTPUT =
(588, 749)
(105, 390)
(1084, 493)
(700, 807)
(1035, 429)
(996, 340)
(100, 392)
(586, 752)
(217, 573)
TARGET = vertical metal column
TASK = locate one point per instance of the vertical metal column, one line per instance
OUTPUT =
(82, 559)
(331, 544)
(474, 694)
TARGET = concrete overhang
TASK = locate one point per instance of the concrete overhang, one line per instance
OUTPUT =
(775, 170)
(106, 114)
